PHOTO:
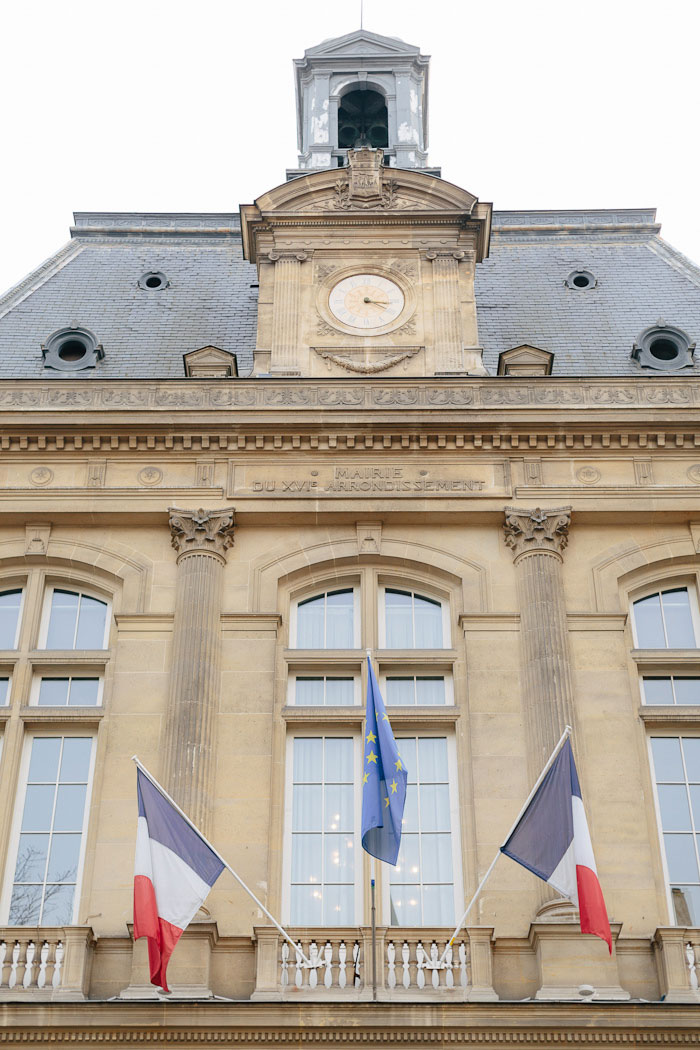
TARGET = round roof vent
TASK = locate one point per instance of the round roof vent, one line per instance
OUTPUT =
(153, 281)
(579, 280)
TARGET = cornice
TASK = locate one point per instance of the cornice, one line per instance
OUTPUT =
(318, 1024)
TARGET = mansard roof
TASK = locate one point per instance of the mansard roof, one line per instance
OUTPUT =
(210, 298)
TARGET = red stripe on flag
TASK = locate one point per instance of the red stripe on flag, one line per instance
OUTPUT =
(162, 936)
(591, 906)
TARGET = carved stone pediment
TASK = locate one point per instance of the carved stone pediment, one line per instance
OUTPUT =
(525, 360)
(209, 362)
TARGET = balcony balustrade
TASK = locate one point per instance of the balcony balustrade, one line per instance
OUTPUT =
(339, 964)
(46, 963)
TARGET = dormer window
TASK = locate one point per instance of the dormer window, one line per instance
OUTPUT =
(663, 347)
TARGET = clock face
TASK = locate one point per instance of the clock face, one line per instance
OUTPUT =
(366, 301)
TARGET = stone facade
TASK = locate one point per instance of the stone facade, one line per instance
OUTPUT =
(532, 511)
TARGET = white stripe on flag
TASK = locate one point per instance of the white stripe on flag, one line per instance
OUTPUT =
(179, 890)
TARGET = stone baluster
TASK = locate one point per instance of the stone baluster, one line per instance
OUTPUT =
(537, 539)
(284, 359)
(201, 538)
(446, 312)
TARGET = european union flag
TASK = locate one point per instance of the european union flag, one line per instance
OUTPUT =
(383, 780)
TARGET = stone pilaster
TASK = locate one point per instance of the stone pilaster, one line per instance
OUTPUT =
(201, 538)
(284, 347)
(446, 318)
(537, 539)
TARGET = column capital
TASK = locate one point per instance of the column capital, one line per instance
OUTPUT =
(537, 531)
(202, 531)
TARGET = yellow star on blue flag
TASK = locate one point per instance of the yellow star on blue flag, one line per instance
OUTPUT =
(384, 780)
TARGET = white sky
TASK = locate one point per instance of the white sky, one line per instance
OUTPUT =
(163, 105)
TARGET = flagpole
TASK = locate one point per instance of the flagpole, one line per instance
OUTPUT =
(228, 867)
(492, 865)
(374, 908)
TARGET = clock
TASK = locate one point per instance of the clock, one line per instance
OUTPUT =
(366, 301)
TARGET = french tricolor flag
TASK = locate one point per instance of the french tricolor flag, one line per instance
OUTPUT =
(552, 840)
(173, 873)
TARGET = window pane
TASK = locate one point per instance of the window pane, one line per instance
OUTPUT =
(667, 758)
(306, 859)
(70, 807)
(84, 692)
(691, 752)
(680, 857)
(58, 905)
(686, 904)
(63, 862)
(338, 807)
(658, 691)
(407, 868)
(339, 620)
(340, 692)
(43, 766)
(400, 692)
(9, 612)
(434, 807)
(309, 692)
(339, 755)
(399, 620)
(31, 858)
(308, 759)
(310, 623)
(339, 858)
(75, 761)
(437, 858)
(687, 690)
(307, 905)
(432, 759)
(25, 906)
(407, 750)
(4, 690)
(53, 692)
(91, 624)
(428, 616)
(405, 906)
(438, 905)
(679, 625)
(38, 807)
(647, 619)
(673, 803)
(410, 809)
(338, 905)
(695, 803)
(62, 620)
(307, 811)
(430, 691)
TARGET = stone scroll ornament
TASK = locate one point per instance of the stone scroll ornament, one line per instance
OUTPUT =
(202, 531)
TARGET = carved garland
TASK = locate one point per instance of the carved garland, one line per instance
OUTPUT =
(367, 368)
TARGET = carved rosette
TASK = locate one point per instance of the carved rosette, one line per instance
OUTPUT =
(537, 531)
(202, 531)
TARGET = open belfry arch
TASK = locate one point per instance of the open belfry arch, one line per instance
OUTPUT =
(238, 451)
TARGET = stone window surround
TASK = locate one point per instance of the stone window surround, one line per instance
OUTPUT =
(66, 730)
(27, 662)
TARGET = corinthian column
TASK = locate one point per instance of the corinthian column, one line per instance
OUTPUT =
(284, 359)
(537, 539)
(201, 538)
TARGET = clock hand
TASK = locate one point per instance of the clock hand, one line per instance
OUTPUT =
(376, 302)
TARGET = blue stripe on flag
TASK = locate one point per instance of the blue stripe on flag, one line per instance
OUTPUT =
(546, 829)
(167, 826)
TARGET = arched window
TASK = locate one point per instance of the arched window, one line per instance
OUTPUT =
(413, 621)
(326, 621)
(75, 621)
(665, 620)
(10, 604)
(323, 861)
(363, 120)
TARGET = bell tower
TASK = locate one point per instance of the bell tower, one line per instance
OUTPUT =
(362, 90)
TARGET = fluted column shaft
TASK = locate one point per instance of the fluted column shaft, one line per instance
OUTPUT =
(447, 321)
(285, 314)
(201, 538)
(538, 539)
